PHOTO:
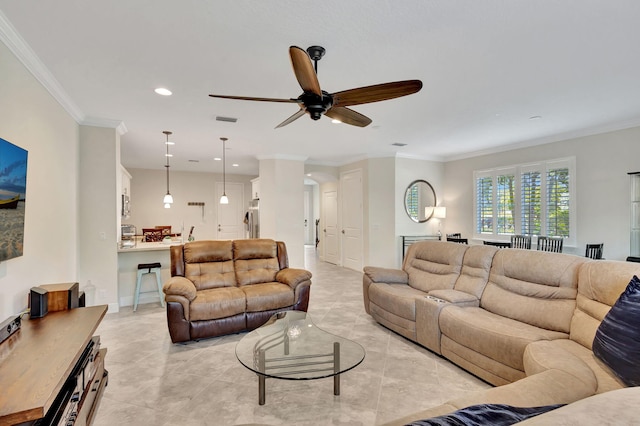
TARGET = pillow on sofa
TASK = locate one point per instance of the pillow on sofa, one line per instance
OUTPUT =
(617, 340)
(486, 414)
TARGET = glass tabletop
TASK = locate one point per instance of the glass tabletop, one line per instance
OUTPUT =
(290, 346)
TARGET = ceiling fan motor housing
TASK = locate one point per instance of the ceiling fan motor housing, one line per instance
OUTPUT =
(316, 105)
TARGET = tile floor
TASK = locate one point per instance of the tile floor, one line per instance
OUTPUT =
(155, 382)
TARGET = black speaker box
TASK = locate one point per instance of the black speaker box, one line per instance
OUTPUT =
(38, 302)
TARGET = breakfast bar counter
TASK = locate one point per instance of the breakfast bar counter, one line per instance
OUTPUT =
(128, 260)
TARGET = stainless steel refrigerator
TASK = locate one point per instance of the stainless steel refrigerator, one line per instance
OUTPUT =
(254, 218)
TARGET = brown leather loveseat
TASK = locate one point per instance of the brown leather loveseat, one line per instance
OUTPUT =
(223, 286)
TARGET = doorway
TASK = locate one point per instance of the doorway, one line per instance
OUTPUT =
(230, 216)
(352, 223)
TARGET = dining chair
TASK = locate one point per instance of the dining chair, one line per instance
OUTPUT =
(521, 241)
(455, 235)
(552, 244)
(499, 244)
(594, 251)
(458, 240)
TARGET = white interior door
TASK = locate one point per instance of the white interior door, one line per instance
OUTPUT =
(308, 217)
(330, 226)
(352, 212)
(230, 216)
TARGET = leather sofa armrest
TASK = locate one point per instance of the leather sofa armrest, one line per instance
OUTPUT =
(386, 275)
(180, 286)
(293, 276)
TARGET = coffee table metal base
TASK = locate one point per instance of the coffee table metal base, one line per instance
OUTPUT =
(312, 363)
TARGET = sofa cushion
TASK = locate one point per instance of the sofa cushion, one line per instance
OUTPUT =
(497, 337)
(604, 379)
(256, 271)
(600, 283)
(208, 251)
(533, 287)
(486, 414)
(545, 355)
(617, 341)
(211, 274)
(217, 303)
(433, 265)
(476, 266)
(254, 249)
(267, 296)
(399, 299)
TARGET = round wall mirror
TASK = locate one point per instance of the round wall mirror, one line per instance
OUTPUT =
(419, 194)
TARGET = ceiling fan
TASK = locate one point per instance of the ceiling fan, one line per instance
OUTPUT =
(317, 102)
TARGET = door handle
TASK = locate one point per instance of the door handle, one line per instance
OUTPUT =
(324, 230)
(219, 228)
(343, 231)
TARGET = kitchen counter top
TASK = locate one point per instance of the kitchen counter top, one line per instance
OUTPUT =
(149, 247)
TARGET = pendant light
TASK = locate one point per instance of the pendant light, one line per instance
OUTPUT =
(224, 199)
(168, 198)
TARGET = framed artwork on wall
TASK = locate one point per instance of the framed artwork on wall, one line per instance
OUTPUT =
(13, 189)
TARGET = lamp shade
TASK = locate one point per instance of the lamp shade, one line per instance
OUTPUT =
(438, 212)
(168, 199)
(224, 199)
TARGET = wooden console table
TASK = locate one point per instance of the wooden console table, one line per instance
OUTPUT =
(37, 364)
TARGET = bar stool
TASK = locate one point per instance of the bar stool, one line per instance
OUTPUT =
(148, 268)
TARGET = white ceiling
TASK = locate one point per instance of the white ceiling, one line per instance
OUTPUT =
(487, 67)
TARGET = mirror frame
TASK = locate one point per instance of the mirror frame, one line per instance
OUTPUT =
(406, 193)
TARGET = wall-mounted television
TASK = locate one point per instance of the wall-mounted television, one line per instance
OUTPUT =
(13, 190)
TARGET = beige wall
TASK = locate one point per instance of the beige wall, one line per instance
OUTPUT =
(149, 186)
(33, 120)
(602, 186)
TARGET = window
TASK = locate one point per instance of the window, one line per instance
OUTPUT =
(529, 199)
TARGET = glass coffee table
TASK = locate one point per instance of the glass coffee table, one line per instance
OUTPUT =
(290, 346)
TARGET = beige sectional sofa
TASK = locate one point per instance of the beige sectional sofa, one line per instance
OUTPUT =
(522, 320)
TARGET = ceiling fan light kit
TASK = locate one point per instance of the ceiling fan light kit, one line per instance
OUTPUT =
(317, 102)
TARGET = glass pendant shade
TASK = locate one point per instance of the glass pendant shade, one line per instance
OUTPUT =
(168, 198)
(224, 199)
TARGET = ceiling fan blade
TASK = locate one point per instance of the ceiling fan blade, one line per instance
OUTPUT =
(291, 119)
(250, 98)
(376, 93)
(348, 116)
(304, 71)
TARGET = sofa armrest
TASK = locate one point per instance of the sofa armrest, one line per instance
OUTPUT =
(386, 275)
(292, 276)
(180, 286)
(456, 297)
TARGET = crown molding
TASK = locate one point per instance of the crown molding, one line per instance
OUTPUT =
(121, 129)
(30, 60)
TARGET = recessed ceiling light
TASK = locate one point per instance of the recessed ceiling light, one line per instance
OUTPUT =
(535, 117)
(217, 159)
(194, 161)
(334, 121)
(308, 174)
(162, 91)
(235, 165)
(399, 144)
(168, 155)
(169, 143)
